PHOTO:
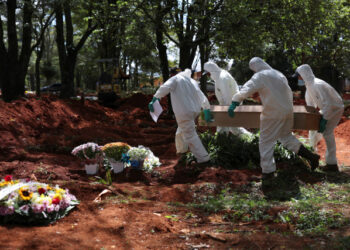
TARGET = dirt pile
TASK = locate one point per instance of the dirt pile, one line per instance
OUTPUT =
(52, 125)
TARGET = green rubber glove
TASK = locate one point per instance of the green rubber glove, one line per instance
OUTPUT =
(231, 109)
(323, 123)
(150, 105)
(207, 115)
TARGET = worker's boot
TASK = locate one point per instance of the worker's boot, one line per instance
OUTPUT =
(181, 162)
(268, 182)
(331, 168)
(311, 157)
(269, 176)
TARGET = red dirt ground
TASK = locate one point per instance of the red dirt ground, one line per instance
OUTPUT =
(36, 138)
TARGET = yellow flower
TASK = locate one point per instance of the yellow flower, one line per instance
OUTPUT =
(60, 191)
(57, 195)
(44, 198)
(25, 194)
(5, 183)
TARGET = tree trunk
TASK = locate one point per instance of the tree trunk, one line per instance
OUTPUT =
(39, 55)
(187, 55)
(163, 58)
(32, 81)
(67, 77)
(136, 75)
(204, 52)
(78, 80)
(14, 66)
(67, 51)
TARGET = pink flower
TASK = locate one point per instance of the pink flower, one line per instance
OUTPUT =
(50, 208)
(24, 208)
(38, 208)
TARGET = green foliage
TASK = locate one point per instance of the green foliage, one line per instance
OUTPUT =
(114, 151)
(230, 151)
(234, 152)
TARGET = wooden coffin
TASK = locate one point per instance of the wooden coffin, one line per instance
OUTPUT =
(248, 116)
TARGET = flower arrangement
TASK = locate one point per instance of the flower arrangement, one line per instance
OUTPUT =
(138, 153)
(115, 150)
(29, 202)
(144, 156)
(150, 162)
(89, 151)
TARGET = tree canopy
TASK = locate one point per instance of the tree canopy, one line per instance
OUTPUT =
(69, 37)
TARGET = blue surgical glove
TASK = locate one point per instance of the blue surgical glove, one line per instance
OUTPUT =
(231, 109)
(323, 123)
(207, 115)
(150, 105)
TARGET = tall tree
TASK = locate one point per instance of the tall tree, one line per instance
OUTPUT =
(14, 58)
(44, 19)
(67, 50)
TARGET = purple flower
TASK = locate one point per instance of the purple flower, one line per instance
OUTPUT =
(6, 210)
(50, 208)
(38, 208)
(24, 208)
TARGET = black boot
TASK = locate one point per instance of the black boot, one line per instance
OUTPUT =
(269, 176)
(331, 168)
(311, 157)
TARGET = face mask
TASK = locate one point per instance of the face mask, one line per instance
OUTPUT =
(301, 82)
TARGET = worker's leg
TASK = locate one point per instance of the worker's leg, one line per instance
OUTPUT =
(290, 142)
(314, 138)
(287, 139)
(268, 138)
(191, 138)
(181, 146)
(328, 135)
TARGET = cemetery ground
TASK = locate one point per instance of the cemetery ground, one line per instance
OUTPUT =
(188, 207)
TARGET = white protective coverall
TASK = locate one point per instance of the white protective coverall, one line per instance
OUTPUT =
(186, 101)
(225, 87)
(276, 119)
(320, 94)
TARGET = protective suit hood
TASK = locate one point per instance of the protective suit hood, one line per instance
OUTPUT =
(306, 73)
(214, 70)
(187, 73)
(211, 67)
(257, 64)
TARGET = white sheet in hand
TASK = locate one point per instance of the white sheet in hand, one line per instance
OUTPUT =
(157, 111)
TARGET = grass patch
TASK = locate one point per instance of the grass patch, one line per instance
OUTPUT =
(314, 211)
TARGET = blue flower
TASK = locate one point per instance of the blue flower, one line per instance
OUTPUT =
(125, 158)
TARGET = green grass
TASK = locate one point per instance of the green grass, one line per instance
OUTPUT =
(315, 210)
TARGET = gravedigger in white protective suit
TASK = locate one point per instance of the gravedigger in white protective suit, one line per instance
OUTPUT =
(187, 100)
(320, 94)
(276, 119)
(225, 88)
